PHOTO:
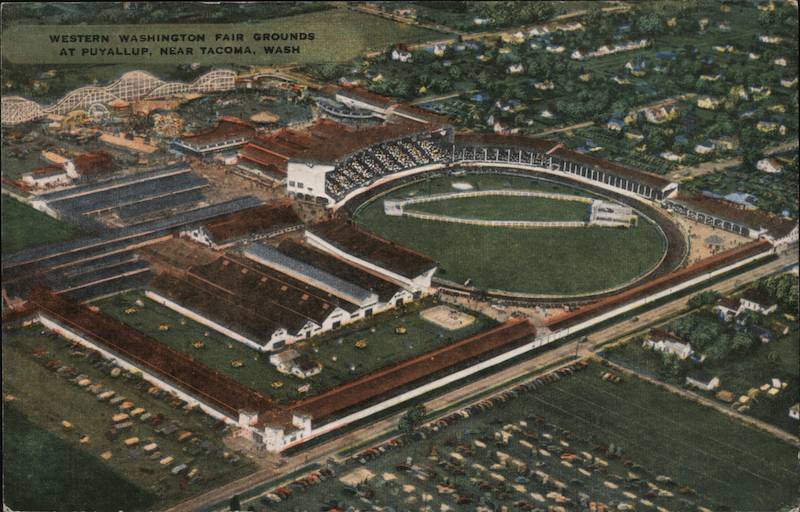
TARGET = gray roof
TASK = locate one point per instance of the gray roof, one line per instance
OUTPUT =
(273, 258)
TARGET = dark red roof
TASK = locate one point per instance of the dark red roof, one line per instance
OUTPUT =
(374, 249)
(389, 379)
(252, 221)
(199, 380)
(557, 149)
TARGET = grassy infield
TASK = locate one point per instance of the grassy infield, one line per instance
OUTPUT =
(553, 261)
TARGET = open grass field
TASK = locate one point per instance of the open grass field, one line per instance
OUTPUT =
(507, 208)
(337, 352)
(47, 398)
(739, 372)
(43, 472)
(540, 261)
(512, 454)
(24, 227)
(729, 462)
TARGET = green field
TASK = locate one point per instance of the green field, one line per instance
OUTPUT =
(654, 433)
(507, 208)
(42, 472)
(25, 227)
(336, 351)
(544, 261)
(739, 372)
(130, 479)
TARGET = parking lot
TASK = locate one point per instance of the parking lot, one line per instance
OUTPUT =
(147, 436)
(547, 444)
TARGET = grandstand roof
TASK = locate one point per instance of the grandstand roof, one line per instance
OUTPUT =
(255, 153)
(543, 145)
(200, 381)
(754, 219)
(371, 248)
(334, 266)
(339, 141)
(252, 221)
(392, 378)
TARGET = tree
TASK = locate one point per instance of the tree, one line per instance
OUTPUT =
(235, 503)
(742, 341)
(412, 420)
(703, 299)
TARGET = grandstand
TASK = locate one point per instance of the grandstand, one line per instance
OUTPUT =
(733, 217)
(335, 176)
(129, 196)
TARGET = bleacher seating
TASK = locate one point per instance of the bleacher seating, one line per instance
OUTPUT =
(370, 164)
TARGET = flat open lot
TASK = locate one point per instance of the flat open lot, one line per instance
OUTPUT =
(25, 227)
(341, 359)
(545, 261)
(75, 472)
(43, 472)
(552, 445)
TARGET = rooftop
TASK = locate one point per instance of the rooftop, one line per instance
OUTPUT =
(753, 219)
(334, 266)
(252, 221)
(227, 128)
(369, 247)
(556, 149)
(392, 378)
(199, 380)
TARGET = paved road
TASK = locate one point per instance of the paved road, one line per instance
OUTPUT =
(577, 126)
(322, 452)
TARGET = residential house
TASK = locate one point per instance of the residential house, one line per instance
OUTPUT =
(660, 114)
(769, 165)
(615, 125)
(727, 308)
(708, 103)
(401, 53)
(704, 148)
(663, 341)
(756, 300)
(515, 69)
(672, 157)
(794, 411)
(765, 335)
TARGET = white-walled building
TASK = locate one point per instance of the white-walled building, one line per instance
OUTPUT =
(662, 341)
